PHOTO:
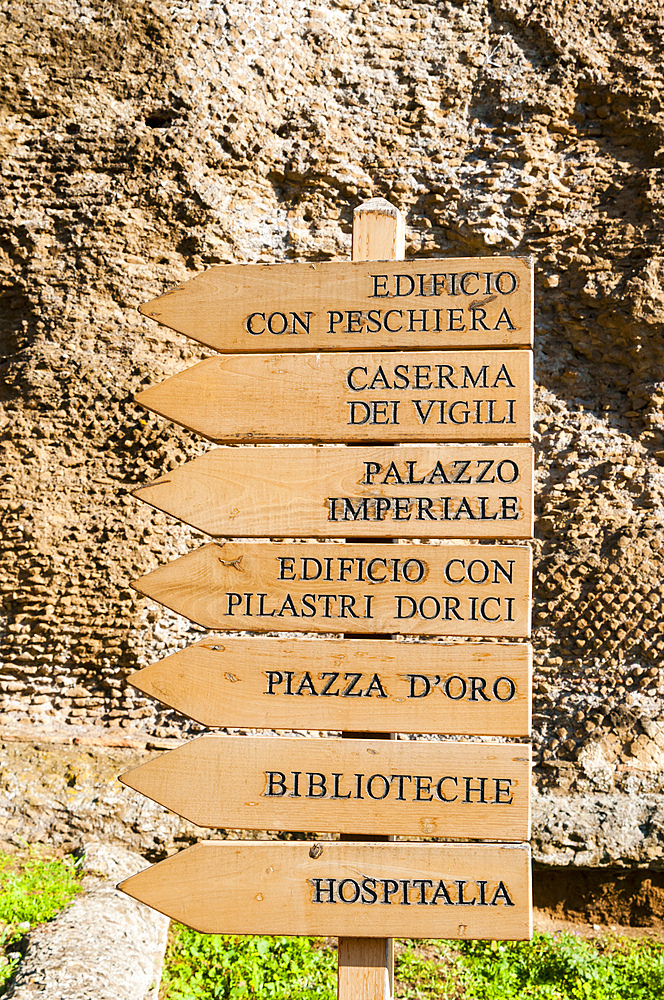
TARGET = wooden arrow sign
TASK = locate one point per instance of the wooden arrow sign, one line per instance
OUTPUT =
(465, 590)
(470, 688)
(423, 788)
(333, 889)
(462, 302)
(415, 491)
(378, 396)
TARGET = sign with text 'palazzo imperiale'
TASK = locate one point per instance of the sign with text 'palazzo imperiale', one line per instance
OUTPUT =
(463, 491)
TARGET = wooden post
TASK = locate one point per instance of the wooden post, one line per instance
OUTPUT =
(366, 965)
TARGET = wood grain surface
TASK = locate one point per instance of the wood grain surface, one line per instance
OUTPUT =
(423, 788)
(446, 589)
(469, 688)
(227, 887)
(342, 305)
(378, 396)
(415, 491)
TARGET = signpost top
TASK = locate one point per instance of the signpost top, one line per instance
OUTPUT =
(353, 305)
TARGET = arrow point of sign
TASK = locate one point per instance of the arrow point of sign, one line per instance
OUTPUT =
(141, 680)
(180, 886)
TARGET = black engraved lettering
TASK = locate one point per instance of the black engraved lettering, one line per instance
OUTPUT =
(319, 889)
(511, 688)
(423, 884)
(377, 686)
(482, 478)
(441, 892)
(461, 901)
(333, 675)
(306, 685)
(274, 678)
(276, 783)
(348, 691)
(501, 893)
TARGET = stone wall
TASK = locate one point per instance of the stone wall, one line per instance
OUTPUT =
(144, 141)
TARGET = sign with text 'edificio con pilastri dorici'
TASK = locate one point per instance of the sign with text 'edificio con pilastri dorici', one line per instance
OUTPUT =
(338, 397)
(415, 491)
(344, 305)
(457, 590)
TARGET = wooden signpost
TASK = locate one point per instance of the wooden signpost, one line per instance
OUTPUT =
(461, 590)
(340, 306)
(353, 889)
(430, 789)
(378, 396)
(267, 683)
(398, 361)
(449, 491)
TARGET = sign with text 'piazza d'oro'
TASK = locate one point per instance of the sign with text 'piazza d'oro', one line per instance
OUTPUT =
(356, 685)
(470, 589)
(411, 788)
(343, 305)
(329, 888)
(379, 396)
(464, 491)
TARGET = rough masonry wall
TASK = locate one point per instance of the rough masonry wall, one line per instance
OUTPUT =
(144, 141)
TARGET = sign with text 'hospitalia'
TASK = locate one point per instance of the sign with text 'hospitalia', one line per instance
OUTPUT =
(359, 685)
(344, 889)
(462, 589)
(377, 396)
(415, 491)
(408, 788)
(453, 302)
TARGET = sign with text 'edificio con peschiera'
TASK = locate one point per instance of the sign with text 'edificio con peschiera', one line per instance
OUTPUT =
(346, 305)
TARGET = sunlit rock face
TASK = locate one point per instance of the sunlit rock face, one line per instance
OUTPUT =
(144, 141)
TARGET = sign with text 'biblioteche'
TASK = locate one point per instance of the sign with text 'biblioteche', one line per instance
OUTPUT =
(422, 789)
(415, 491)
(355, 889)
(378, 396)
(344, 305)
(459, 590)
(358, 685)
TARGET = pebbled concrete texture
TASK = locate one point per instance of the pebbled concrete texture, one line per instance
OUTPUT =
(103, 946)
(144, 141)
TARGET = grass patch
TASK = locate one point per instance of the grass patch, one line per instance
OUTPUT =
(550, 967)
(564, 967)
(224, 967)
(33, 888)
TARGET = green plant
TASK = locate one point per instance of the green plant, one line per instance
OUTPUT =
(550, 967)
(421, 975)
(564, 967)
(33, 888)
(222, 967)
